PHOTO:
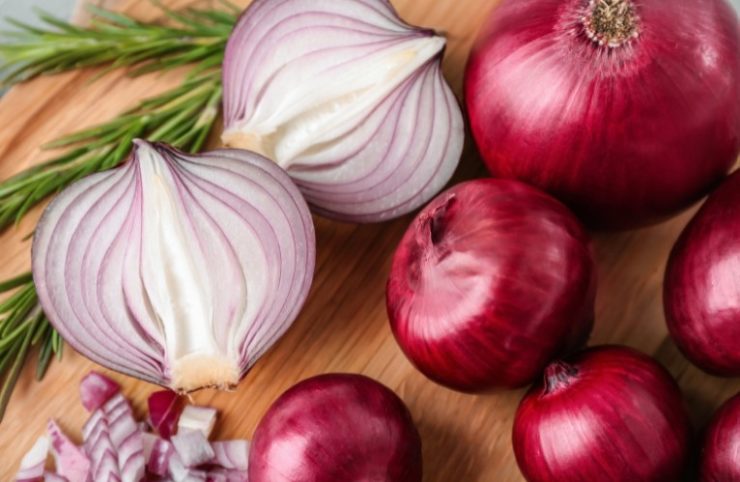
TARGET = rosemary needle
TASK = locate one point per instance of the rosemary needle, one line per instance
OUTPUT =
(182, 117)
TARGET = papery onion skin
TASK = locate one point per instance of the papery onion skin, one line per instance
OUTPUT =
(702, 284)
(491, 281)
(610, 414)
(174, 268)
(625, 135)
(348, 99)
(720, 461)
(336, 428)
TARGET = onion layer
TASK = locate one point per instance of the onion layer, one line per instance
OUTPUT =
(348, 99)
(720, 461)
(336, 428)
(626, 110)
(492, 279)
(181, 270)
(610, 414)
(702, 284)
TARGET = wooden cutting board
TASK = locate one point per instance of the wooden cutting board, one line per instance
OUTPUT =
(343, 327)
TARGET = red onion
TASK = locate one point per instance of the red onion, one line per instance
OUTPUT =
(702, 284)
(608, 414)
(32, 465)
(627, 110)
(158, 462)
(177, 269)
(348, 99)
(165, 407)
(336, 428)
(71, 462)
(232, 454)
(721, 453)
(202, 419)
(490, 282)
(193, 448)
(96, 389)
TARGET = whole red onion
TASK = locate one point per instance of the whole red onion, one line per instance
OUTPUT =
(491, 281)
(607, 414)
(720, 455)
(626, 110)
(702, 284)
(336, 428)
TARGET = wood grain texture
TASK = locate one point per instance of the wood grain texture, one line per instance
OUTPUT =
(343, 326)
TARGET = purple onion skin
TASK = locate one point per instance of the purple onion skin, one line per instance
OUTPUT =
(702, 284)
(625, 136)
(490, 282)
(336, 428)
(720, 461)
(609, 414)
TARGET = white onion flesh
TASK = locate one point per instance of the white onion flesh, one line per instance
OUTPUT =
(177, 269)
(32, 464)
(348, 99)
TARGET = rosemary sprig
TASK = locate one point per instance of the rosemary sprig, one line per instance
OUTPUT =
(117, 40)
(182, 117)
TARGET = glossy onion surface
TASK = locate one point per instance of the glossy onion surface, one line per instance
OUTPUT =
(349, 99)
(720, 461)
(702, 284)
(626, 110)
(336, 428)
(175, 268)
(609, 414)
(491, 281)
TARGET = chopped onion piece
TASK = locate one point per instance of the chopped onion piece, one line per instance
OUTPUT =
(193, 448)
(52, 477)
(165, 407)
(126, 438)
(148, 441)
(231, 454)
(71, 462)
(32, 465)
(98, 446)
(180, 473)
(202, 419)
(96, 389)
(158, 462)
(225, 475)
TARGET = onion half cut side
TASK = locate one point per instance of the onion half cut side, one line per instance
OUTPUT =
(177, 269)
(348, 99)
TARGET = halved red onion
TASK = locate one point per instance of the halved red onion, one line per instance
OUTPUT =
(32, 464)
(348, 99)
(96, 389)
(178, 269)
